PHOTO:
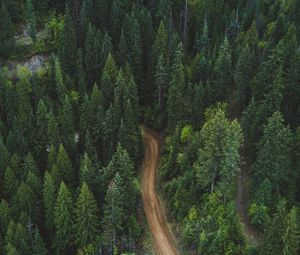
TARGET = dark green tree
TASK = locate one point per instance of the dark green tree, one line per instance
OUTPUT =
(177, 92)
(31, 19)
(63, 221)
(86, 218)
(7, 41)
(68, 47)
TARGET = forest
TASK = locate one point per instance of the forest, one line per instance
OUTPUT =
(91, 91)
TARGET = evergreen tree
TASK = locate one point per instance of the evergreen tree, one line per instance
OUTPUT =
(59, 82)
(219, 158)
(49, 195)
(87, 172)
(177, 91)
(276, 141)
(80, 74)
(108, 80)
(291, 236)
(68, 47)
(114, 213)
(223, 65)
(86, 218)
(7, 41)
(52, 131)
(91, 57)
(63, 221)
(31, 20)
(39, 247)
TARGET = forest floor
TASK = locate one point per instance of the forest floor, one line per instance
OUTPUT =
(156, 217)
(250, 231)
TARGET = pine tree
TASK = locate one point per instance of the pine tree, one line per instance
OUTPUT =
(4, 158)
(292, 233)
(63, 221)
(86, 217)
(276, 141)
(68, 47)
(5, 216)
(106, 49)
(108, 80)
(114, 213)
(219, 157)
(7, 41)
(223, 65)
(39, 247)
(52, 131)
(49, 195)
(161, 85)
(91, 56)
(10, 184)
(66, 122)
(41, 133)
(243, 75)
(87, 172)
(80, 74)
(31, 20)
(59, 82)
(177, 91)
(122, 53)
(63, 170)
(202, 42)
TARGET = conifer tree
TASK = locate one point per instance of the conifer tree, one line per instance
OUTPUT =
(59, 82)
(87, 172)
(122, 53)
(108, 79)
(68, 47)
(52, 131)
(223, 65)
(80, 74)
(91, 56)
(5, 212)
(49, 197)
(276, 141)
(39, 247)
(177, 91)
(114, 213)
(10, 183)
(63, 221)
(292, 233)
(31, 20)
(7, 41)
(86, 217)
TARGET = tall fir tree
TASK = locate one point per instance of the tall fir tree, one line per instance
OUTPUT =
(177, 92)
(63, 221)
(68, 46)
(7, 41)
(86, 218)
(31, 19)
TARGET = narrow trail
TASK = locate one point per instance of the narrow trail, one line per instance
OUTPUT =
(163, 240)
(242, 199)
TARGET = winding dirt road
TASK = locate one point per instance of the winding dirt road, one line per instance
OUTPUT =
(164, 244)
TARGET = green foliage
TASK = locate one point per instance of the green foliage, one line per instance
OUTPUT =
(7, 41)
(86, 218)
(31, 20)
(63, 220)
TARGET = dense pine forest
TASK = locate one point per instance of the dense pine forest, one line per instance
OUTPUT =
(82, 81)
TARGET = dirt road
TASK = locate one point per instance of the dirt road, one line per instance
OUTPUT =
(164, 244)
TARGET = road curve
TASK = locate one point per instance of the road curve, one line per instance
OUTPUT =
(164, 244)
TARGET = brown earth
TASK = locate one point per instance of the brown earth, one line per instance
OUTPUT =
(164, 244)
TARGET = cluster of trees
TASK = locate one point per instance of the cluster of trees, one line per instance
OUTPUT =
(246, 56)
(70, 142)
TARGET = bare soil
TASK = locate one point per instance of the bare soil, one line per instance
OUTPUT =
(163, 240)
